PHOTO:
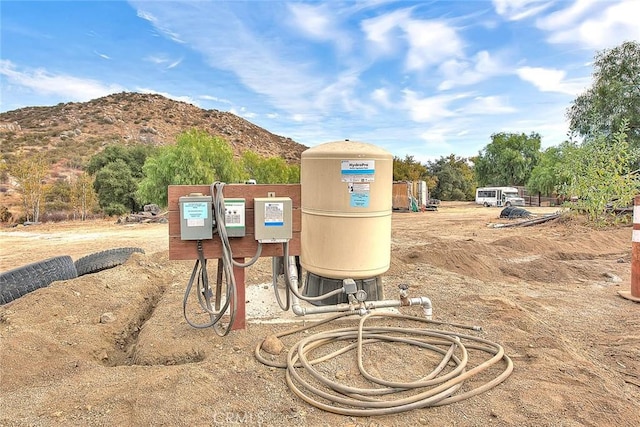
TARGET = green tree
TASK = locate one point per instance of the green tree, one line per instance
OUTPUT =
(455, 178)
(30, 173)
(115, 187)
(132, 159)
(550, 174)
(599, 174)
(83, 196)
(3, 169)
(272, 170)
(613, 97)
(408, 169)
(58, 197)
(197, 158)
(134, 156)
(508, 159)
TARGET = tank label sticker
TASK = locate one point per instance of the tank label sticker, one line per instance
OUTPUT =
(358, 170)
(359, 195)
(274, 214)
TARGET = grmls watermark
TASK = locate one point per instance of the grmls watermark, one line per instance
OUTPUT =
(227, 418)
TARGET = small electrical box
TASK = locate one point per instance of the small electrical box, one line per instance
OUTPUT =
(273, 219)
(196, 217)
(234, 217)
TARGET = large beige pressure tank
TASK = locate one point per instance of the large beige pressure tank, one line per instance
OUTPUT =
(346, 208)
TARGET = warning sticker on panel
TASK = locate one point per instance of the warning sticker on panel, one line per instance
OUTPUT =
(359, 195)
(196, 222)
(195, 210)
(358, 170)
(274, 214)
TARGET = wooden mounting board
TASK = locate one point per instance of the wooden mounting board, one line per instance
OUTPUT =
(242, 247)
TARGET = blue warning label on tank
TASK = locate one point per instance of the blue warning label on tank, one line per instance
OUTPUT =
(358, 170)
(358, 195)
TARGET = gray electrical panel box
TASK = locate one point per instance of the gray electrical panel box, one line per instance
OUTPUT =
(196, 217)
(273, 219)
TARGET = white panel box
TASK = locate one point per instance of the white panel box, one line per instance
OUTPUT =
(273, 219)
(234, 217)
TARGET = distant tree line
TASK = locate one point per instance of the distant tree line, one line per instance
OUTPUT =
(599, 170)
(127, 177)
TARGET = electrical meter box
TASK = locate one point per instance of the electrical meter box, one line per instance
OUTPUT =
(196, 217)
(234, 217)
(273, 219)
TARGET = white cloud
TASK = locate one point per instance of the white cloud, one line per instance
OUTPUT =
(488, 105)
(147, 16)
(312, 20)
(102, 55)
(429, 109)
(594, 24)
(436, 139)
(381, 31)
(186, 99)
(163, 60)
(215, 99)
(155, 59)
(552, 80)
(430, 42)
(568, 16)
(381, 96)
(458, 72)
(45, 83)
(174, 64)
(516, 10)
(342, 95)
(270, 67)
(320, 23)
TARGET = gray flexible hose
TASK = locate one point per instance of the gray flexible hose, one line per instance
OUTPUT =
(385, 397)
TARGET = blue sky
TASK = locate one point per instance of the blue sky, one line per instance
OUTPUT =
(420, 78)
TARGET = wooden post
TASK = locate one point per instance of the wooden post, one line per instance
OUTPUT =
(240, 321)
(634, 293)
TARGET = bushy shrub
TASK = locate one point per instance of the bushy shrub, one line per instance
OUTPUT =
(115, 209)
(5, 215)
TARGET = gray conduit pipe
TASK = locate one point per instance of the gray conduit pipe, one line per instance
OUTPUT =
(361, 308)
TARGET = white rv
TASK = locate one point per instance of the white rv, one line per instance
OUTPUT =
(498, 196)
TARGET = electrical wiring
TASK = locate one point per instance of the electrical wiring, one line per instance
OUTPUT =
(294, 289)
(203, 290)
(276, 267)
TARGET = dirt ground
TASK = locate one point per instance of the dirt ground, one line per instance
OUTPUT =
(547, 294)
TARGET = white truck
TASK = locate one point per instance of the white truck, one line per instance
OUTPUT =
(498, 196)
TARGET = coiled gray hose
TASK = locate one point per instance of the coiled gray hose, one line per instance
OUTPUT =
(385, 397)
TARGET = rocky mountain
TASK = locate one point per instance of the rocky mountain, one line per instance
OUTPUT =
(68, 134)
(72, 132)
